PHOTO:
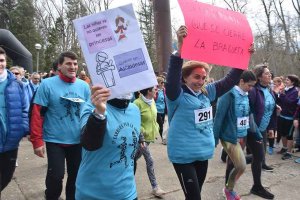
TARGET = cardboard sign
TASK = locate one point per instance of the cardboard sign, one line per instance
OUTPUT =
(114, 51)
(215, 35)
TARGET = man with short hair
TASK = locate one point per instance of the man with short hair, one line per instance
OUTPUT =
(34, 82)
(55, 120)
(23, 72)
(84, 77)
(13, 120)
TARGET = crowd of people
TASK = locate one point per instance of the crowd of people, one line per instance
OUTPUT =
(99, 139)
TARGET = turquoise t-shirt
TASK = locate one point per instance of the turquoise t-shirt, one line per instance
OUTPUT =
(242, 110)
(160, 101)
(190, 135)
(64, 102)
(3, 117)
(269, 108)
(107, 173)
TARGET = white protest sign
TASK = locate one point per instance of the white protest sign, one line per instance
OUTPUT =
(115, 51)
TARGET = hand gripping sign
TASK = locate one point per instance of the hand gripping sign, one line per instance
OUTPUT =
(215, 35)
(114, 51)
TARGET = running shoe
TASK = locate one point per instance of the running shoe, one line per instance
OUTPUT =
(267, 168)
(282, 151)
(286, 156)
(230, 194)
(270, 150)
(158, 192)
(262, 192)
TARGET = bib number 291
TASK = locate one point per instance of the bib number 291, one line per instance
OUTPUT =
(203, 115)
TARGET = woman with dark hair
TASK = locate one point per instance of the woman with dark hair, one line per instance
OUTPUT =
(148, 131)
(109, 139)
(190, 137)
(230, 125)
(288, 99)
(263, 107)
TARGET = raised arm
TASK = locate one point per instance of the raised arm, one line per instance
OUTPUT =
(93, 121)
(173, 84)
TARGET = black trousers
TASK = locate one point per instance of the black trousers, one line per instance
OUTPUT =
(191, 177)
(57, 154)
(160, 119)
(7, 167)
(258, 157)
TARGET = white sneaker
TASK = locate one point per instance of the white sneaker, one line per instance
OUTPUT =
(158, 192)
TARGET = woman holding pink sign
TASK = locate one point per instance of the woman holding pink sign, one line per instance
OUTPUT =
(191, 140)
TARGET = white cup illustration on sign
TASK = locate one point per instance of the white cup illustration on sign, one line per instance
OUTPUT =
(105, 68)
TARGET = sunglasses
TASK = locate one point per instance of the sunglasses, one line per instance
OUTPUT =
(16, 73)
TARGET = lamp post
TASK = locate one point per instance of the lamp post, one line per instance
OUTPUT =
(37, 47)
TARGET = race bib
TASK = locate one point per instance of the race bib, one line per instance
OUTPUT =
(203, 115)
(243, 122)
(76, 100)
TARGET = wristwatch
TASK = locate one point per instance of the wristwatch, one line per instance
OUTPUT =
(99, 116)
(175, 53)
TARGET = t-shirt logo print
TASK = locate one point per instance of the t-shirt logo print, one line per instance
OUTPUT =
(72, 109)
(123, 147)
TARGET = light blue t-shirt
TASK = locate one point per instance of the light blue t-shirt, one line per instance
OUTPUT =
(160, 101)
(242, 110)
(268, 109)
(108, 172)
(3, 117)
(64, 102)
(190, 135)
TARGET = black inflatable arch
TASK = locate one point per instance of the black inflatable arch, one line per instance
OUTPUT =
(15, 50)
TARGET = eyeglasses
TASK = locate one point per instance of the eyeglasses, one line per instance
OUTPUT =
(2, 60)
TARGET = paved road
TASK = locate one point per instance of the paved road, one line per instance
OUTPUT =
(284, 182)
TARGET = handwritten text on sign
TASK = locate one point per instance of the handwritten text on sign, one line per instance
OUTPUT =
(216, 35)
(99, 35)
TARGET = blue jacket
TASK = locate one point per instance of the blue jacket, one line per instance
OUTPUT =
(225, 126)
(257, 104)
(189, 141)
(17, 114)
(288, 102)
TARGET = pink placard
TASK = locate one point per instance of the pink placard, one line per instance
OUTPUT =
(216, 35)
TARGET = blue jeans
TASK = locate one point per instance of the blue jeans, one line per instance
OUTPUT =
(57, 154)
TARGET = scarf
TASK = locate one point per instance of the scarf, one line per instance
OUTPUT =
(147, 101)
(35, 86)
(3, 76)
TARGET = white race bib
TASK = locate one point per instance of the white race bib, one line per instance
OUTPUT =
(76, 100)
(203, 115)
(242, 122)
